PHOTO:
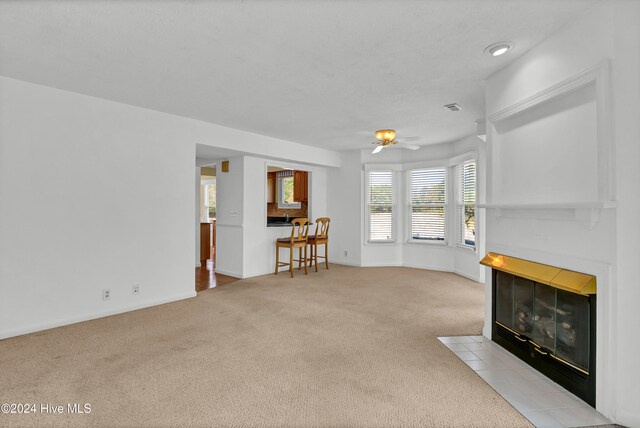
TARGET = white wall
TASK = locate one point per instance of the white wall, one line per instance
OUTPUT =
(230, 211)
(626, 89)
(534, 152)
(258, 242)
(197, 214)
(95, 195)
(346, 198)
(100, 195)
(606, 34)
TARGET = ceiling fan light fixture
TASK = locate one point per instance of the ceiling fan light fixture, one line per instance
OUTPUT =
(386, 138)
(499, 48)
(385, 134)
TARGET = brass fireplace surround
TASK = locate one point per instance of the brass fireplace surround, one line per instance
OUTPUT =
(573, 282)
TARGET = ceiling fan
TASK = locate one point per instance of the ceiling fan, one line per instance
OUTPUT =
(386, 138)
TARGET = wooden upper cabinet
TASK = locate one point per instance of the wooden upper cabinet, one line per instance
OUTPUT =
(305, 186)
(271, 190)
(297, 186)
(300, 186)
(271, 187)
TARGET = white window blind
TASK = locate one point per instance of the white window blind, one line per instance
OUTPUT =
(427, 202)
(380, 202)
(466, 204)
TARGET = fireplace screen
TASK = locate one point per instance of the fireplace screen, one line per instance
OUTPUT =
(523, 304)
(572, 329)
(556, 320)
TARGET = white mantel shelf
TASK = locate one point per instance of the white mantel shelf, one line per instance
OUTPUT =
(553, 205)
(587, 213)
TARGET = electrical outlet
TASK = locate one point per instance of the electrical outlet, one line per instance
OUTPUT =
(346, 253)
(106, 294)
(135, 289)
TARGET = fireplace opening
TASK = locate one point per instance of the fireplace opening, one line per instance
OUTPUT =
(546, 317)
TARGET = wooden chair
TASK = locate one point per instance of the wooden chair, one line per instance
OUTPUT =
(298, 239)
(321, 237)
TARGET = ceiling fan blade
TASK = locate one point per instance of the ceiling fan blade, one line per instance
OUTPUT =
(407, 139)
(377, 149)
(408, 146)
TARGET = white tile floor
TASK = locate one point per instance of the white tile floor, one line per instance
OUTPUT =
(542, 401)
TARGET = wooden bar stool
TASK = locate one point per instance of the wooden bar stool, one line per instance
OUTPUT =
(321, 237)
(298, 239)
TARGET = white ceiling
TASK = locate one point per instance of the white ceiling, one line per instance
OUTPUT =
(205, 154)
(324, 73)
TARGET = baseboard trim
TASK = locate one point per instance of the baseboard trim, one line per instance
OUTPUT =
(381, 265)
(414, 266)
(230, 273)
(101, 314)
(343, 263)
(627, 418)
(427, 267)
(468, 276)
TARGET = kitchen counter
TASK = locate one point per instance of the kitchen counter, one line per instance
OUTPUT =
(280, 221)
(281, 224)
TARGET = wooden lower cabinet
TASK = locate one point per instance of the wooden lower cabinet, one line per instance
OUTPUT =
(205, 242)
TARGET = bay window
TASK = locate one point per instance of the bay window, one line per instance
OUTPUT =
(427, 204)
(466, 204)
(380, 206)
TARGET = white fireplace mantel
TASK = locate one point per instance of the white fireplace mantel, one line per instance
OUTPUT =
(587, 213)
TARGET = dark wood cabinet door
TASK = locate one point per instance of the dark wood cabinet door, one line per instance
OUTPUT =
(205, 242)
(297, 186)
(300, 186)
(305, 186)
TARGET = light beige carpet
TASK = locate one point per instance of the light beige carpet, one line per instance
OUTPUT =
(344, 347)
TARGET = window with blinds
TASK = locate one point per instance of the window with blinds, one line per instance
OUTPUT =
(427, 203)
(380, 205)
(466, 204)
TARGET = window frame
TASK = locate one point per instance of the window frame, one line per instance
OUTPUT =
(394, 205)
(280, 194)
(408, 217)
(207, 206)
(459, 204)
(401, 194)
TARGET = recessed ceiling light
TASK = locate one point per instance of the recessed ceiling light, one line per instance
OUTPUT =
(498, 48)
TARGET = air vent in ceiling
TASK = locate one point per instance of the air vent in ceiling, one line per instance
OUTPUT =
(453, 107)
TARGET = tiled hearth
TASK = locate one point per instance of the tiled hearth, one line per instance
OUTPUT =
(540, 400)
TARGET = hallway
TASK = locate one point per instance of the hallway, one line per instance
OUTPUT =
(206, 277)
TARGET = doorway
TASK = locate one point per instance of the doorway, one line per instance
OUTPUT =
(206, 276)
(208, 208)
